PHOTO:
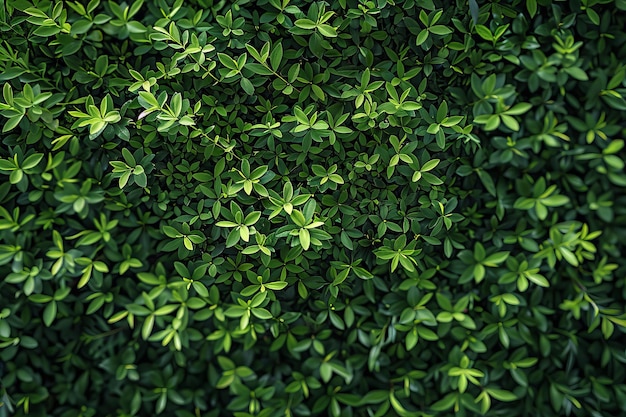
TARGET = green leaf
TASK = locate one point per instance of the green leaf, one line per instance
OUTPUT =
(576, 73)
(484, 32)
(262, 313)
(254, 53)
(474, 10)
(531, 6)
(375, 397)
(410, 106)
(569, 256)
(429, 165)
(422, 37)
(495, 259)
(519, 108)
(298, 218)
(327, 30)
(445, 403)
(50, 313)
(502, 395)
(538, 279)
(124, 178)
(336, 178)
(593, 16)
(510, 122)
(246, 86)
(440, 30)
(276, 56)
(555, 201)
(12, 123)
(170, 231)
(32, 161)
(276, 286)
(487, 181)
(305, 24)
(541, 210)
(305, 238)
(227, 61)
(33, 11)
(40, 298)
(524, 203)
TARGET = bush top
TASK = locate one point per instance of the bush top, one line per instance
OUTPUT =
(289, 207)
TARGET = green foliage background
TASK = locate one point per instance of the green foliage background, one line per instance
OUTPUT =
(300, 208)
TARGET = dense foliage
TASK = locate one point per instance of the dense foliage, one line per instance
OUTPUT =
(308, 208)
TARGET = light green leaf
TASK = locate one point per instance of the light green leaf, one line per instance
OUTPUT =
(305, 24)
(305, 238)
(518, 109)
(327, 30)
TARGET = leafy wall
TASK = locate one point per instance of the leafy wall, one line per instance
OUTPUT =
(301, 208)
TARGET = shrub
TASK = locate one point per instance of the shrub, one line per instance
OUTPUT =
(294, 208)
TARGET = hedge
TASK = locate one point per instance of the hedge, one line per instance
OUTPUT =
(307, 208)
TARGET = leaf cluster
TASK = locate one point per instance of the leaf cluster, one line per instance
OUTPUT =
(307, 208)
